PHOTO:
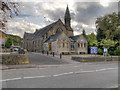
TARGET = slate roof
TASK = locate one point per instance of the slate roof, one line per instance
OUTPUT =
(29, 35)
(53, 38)
(74, 38)
(39, 32)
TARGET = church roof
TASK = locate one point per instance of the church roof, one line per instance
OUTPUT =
(42, 31)
(53, 38)
(39, 32)
(74, 38)
(29, 35)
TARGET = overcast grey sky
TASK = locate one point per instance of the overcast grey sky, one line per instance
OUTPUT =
(35, 15)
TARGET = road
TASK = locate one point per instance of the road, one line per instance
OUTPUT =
(55, 73)
(39, 59)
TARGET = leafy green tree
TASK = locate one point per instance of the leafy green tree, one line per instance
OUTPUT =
(9, 42)
(107, 26)
(107, 43)
(92, 41)
(16, 40)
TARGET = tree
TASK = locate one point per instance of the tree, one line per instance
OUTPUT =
(100, 35)
(9, 42)
(92, 41)
(107, 26)
(84, 33)
(107, 43)
(7, 9)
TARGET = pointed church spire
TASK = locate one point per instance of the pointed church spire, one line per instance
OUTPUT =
(67, 13)
(67, 17)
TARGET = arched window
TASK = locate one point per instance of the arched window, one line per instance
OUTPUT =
(78, 45)
(81, 44)
(63, 44)
(85, 45)
(67, 45)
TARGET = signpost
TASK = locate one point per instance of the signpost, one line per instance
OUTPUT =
(93, 50)
(105, 51)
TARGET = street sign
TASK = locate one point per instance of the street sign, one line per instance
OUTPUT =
(93, 50)
(105, 50)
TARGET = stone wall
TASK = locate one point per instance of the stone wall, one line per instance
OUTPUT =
(14, 59)
(96, 59)
(6, 50)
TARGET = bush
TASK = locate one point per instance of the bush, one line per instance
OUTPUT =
(111, 52)
(100, 51)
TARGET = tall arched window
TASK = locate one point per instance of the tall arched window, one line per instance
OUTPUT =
(85, 45)
(81, 44)
(78, 45)
(63, 44)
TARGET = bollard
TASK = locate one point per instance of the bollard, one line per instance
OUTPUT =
(47, 52)
(60, 55)
(53, 54)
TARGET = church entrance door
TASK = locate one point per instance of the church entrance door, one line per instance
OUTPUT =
(49, 47)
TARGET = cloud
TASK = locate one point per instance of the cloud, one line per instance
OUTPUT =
(18, 28)
(39, 14)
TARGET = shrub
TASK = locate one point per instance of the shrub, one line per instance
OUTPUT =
(100, 51)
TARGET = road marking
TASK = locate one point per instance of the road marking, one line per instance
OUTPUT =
(63, 74)
(35, 77)
(83, 71)
(112, 68)
(101, 69)
(76, 66)
(11, 79)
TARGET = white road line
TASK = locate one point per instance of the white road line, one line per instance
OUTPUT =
(101, 69)
(76, 66)
(36, 77)
(11, 79)
(63, 74)
(112, 68)
(83, 71)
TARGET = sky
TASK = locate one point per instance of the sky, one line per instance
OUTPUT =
(36, 14)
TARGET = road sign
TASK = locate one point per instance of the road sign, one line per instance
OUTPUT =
(105, 49)
(93, 50)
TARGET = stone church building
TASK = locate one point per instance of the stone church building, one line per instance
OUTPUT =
(56, 37)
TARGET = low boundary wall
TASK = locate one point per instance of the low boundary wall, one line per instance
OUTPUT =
(14, 59)
(96, 58)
